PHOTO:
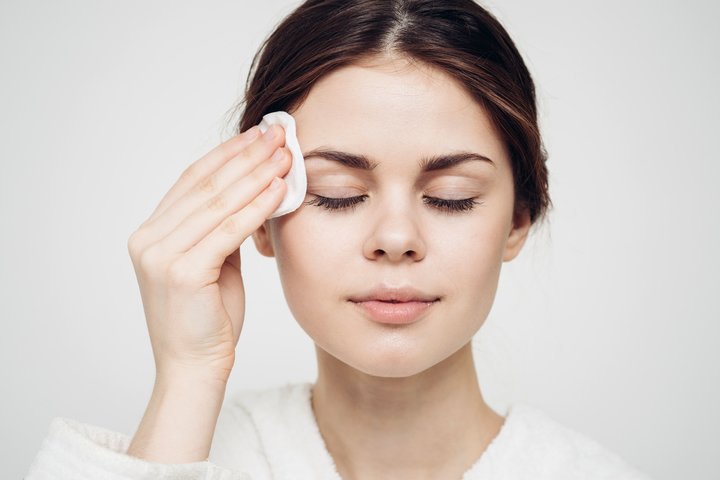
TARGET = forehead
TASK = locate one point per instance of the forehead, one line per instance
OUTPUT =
(385, 108)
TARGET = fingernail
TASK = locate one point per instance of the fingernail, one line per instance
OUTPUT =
(277, 156)
(271, 133)
(252, 133)
(275, 184)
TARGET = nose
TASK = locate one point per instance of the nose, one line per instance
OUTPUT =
(395, 235)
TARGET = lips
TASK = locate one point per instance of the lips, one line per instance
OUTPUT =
(384, 293)
(394, 305)
(398, 313)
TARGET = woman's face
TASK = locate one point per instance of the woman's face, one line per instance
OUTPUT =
(395, 114)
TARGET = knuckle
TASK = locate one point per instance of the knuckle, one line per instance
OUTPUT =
(189, 174)
(133, 244)
(245, 155)
(208, 184)
(137, 242)
(216, 203)
(179, 275)
(149, 260)
(231, 226)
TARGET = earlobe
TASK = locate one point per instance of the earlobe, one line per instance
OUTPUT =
(262, 241)
(517, 235)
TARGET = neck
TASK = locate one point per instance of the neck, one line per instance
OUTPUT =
(434, 424)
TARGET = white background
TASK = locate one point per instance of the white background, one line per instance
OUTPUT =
(608, 320)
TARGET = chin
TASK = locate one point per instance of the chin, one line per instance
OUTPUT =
(389, 371)
(391, 362)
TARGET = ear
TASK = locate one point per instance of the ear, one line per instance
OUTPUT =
(518, 234)
(262, 240)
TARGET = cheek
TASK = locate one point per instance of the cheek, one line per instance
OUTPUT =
(309, 261)
(470, 260)
(319, 263)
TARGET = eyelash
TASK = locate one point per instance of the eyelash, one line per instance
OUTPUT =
(448, 206)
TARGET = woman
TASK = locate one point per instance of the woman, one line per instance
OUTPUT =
(425, 172)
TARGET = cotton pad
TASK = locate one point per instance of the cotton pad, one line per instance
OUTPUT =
(295, 178)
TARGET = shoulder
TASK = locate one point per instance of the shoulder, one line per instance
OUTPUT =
(531, 444)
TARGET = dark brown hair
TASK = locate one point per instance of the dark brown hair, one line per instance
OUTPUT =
(458, 37)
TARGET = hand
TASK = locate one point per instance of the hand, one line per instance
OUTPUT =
(186, 255)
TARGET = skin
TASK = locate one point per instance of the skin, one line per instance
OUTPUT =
(397, 401)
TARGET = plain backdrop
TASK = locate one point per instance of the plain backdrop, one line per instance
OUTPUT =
(608, 320)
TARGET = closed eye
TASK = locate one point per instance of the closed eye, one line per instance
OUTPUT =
(448, 206)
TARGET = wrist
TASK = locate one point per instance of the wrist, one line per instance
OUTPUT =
(191, 378)
(179, 422)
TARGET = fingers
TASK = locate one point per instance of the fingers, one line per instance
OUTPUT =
(206, 258)
(216, 210)
(208, 190)
(203, 167)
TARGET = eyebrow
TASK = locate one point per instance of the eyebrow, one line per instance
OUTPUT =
(427, 164)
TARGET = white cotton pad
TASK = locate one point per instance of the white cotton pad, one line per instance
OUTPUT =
(296, 179)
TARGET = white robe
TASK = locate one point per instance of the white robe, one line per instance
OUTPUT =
(272, 434)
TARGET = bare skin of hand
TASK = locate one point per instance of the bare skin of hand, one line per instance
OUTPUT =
(186, 257)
